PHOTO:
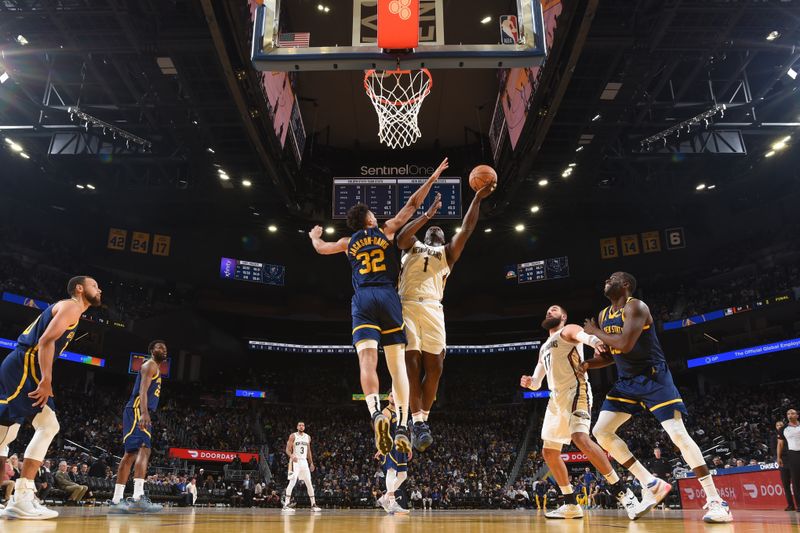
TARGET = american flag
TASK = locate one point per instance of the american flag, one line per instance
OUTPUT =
(294, 40)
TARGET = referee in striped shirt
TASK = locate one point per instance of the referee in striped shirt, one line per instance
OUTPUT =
(790, 443)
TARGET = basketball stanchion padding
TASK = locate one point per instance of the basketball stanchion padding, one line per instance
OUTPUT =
(398, 24)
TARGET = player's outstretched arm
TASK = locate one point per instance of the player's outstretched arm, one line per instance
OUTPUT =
(393, 225)
(636, 316)
(456, 246)
(326, 248)
(407, 236)
(534, 382)
(65, 314)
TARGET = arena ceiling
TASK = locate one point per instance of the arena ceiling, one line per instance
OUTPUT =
(175, 72)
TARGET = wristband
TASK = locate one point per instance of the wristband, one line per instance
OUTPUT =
(591, 340)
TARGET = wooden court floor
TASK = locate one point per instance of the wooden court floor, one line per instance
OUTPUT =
(93, 520)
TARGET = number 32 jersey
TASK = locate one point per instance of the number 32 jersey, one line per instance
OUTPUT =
(423, 273)
(372, 259)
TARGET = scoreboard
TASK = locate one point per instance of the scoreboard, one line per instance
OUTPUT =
(386, 196)
(544, 269)
(251, 271)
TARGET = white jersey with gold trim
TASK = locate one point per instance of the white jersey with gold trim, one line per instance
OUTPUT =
(423, 273)
(561, 360)
(301, 444)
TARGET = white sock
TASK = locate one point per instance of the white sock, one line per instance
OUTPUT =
(566, 489)
(425, 415)
(642, 474)
(373, 403)
(138, 488)
(711, 490)
(611, 477)
(417, 417)
(23, 486)
(119, 493)
(396, 361)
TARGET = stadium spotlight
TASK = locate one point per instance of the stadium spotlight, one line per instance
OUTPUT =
(486, 20)
(700, 187)
(543, 182)
(487, 230)
(774, 34)
(329, 230)
(247, 183)
(519, 228)
(272, 228)
(535, 209)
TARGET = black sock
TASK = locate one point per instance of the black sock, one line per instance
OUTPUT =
(569, 499)
(618, 489)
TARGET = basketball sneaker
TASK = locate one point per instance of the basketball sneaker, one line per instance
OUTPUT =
(655, 492)
(718, 512)
(383, 440)
(421, 437)
(632, 506)
(25, 507)
(395, 508)
(316, 509)
(567, 510)
(287, 509)
(385, 503)
(143, 505)
(401, 441)
(120, 507)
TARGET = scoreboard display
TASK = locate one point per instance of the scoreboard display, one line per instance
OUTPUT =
(240, 270)
(544, 269)
(386, 196)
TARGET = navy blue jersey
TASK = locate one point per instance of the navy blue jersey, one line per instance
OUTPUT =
(371, 256)
(30, 337)
(644, 355)
(153, 392)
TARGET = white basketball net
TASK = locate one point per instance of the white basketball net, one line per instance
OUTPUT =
(397, 97)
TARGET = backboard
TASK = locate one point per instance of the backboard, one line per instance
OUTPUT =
(298, 35)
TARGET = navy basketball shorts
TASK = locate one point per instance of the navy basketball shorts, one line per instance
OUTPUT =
(653, 391)
(378, 315)
(396, 460)
(19, 376)
(133, 437)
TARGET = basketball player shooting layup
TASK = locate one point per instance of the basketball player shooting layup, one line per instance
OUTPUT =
(376, 309)
(424, 271)
(568, 414)
(301, 464)
(136, 430)
(644, 382)
(26, 389)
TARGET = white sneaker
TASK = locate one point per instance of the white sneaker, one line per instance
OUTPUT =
(568, 510)
(632, 506)
(718, 512)
(653, 494)
(384, 502)
(316, 509)
(287, 509)
(394, 508)
(26, 507)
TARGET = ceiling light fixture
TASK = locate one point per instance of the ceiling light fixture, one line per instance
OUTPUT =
(535, 209)
(458, 229)
(487, 230)
(16, 147)
(4, 76)
(9, 141)
(770, 153)
(24, 155)
(486, 20)
(329, 230)
(543, 182)
(579, 148)
(224, 177)
(780, 145)
(712, 187)
(78, 185)
(700, 187)
(272, 228)
(792, 73)
(90, 121)
(22, 40)
(704, 118)
(596, 117)
(90, 186)
(774, 34)
(247, 183)
(519, 228)
(572, 165)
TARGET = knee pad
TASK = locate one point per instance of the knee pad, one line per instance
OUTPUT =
(47, 427)
(551, 445)
(685, 443)
(8, 434)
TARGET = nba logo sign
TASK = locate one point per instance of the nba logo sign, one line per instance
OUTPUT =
(509, 32)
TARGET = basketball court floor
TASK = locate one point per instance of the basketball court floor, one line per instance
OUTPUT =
(93, 520)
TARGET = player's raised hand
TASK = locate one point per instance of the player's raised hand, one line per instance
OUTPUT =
(444, 165)
(435, 206)
(486, 191)
(316, 232)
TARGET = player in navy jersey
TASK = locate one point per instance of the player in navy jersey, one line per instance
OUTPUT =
(644, 383)
(26, 389)
(376, 310)
(136, 433)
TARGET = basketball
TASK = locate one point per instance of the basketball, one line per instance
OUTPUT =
(481, 176)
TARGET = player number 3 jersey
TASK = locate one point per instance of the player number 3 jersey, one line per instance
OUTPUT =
(301, 446)
(423, 273)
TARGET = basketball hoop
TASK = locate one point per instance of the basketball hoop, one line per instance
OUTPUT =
(397, 97)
